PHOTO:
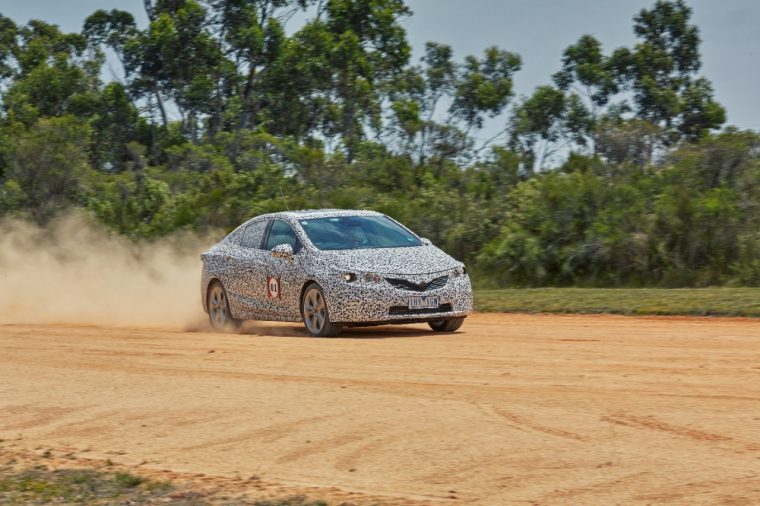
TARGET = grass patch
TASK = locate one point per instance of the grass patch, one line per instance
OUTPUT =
(626, 301)
(75, 486)
(38, 486)
(127, 480)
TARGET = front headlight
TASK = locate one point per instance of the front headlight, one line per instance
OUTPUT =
(459, 271)
(369, 277)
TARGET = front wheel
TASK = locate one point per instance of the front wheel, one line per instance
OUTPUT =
(451, 325)
(219, 309)
(316, 318)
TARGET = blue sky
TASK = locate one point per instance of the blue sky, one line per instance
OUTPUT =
(536, 29)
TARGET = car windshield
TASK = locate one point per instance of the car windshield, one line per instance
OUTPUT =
(357, 232)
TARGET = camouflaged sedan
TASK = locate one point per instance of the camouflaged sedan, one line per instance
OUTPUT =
(329, 269)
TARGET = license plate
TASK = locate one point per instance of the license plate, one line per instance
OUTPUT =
(424, 302)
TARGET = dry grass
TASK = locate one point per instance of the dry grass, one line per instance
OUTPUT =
(41, 486)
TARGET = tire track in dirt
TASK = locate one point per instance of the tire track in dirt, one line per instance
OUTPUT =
(650, 422)
(329, 445)
(593, 489)
(34, 416)
(269, 434)
(524, 423)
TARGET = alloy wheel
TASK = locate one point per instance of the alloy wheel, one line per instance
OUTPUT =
(218, 307)
(314, 310)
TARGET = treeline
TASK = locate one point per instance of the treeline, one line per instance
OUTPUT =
(617, 173)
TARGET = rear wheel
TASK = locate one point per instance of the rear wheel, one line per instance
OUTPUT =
(316, 318)
(219, 309)
(450, 325)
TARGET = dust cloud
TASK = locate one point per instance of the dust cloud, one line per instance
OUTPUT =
(75, 272)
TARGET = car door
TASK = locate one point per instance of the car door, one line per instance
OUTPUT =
(247, 279)
(285, 276)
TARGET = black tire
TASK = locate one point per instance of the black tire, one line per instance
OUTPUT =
(219, 314)
(316, 317)
(450, 325)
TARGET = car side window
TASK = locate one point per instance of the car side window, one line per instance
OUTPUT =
(253, 234)
(282, 233)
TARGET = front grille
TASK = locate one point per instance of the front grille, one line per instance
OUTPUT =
(405, 311)
(405, 284)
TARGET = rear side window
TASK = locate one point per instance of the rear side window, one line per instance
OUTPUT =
(282, 233)
(253, 234)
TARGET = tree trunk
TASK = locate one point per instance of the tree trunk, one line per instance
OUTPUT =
(161, 108)
(149, 9)
(246, 113)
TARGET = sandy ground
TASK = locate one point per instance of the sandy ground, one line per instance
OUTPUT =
(512, 409)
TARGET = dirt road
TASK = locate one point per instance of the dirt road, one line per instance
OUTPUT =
(515, 408)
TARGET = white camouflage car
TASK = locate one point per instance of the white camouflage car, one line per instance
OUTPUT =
(329, 269)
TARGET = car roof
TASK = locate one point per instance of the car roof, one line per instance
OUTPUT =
(320, 213)
(295, 216)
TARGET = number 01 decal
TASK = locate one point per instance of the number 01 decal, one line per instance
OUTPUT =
(273, 287)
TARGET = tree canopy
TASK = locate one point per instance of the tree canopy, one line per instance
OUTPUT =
(617, 172)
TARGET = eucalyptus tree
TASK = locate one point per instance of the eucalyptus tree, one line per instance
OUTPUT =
(368, 52)
(661, 71)
(48, 164)
(472, 91)
(604, 100)
(8, 35)
(250, 35)
(46, 72)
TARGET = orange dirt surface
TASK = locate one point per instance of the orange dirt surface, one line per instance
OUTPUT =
(535, 409)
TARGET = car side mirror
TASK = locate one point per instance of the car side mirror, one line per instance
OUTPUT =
(426, 242)
(284, 251)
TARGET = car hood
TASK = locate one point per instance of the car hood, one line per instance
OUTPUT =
(408, 260)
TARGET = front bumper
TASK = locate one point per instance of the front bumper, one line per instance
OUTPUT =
(367, 302)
